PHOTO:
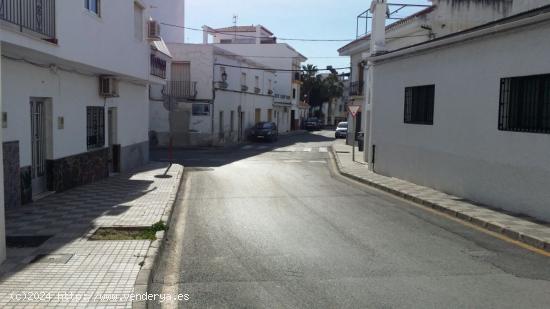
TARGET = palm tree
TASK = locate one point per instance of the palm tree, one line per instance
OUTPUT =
(332, 89)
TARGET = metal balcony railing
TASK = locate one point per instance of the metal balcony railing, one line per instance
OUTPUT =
(356, 88)
(158, 67)
(30, 15)
(181, 89)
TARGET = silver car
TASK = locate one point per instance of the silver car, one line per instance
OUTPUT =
(341, 130)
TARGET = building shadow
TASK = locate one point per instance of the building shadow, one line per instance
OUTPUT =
(50, 224)
(210, 157)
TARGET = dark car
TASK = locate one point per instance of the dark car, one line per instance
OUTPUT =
(341, 130)
(266, 131)
(313, 124)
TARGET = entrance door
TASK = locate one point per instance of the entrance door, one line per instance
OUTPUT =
(114, 148)
(258, 115)
(38, 146)
(292, 121)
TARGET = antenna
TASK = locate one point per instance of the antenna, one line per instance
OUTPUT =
(235, 19)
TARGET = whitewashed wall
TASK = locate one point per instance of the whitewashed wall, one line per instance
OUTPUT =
(70, 93)
(105, 42)
(464, 153)
(170, 12)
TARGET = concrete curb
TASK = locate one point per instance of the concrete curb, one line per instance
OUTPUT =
(152, 260)
(530, 240)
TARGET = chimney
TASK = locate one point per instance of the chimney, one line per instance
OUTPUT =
(258, 34)
(205, 30)
(379, 9)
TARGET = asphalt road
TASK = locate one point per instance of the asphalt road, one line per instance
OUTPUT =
(268, 226)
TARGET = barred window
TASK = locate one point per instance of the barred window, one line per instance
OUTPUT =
(525, 104)
(95, 126)
(419, 104)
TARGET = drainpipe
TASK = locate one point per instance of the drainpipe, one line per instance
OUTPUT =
(213, 95)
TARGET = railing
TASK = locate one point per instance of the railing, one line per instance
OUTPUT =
(181, 89)
(34, 15)
(158, 67)
(282, 96)
(356, 88)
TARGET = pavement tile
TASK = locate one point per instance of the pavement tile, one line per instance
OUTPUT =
(95, 266)
(518, 228)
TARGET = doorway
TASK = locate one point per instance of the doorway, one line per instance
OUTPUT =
(114, 147)
(38, 146)
(241, 125)
(292, 121)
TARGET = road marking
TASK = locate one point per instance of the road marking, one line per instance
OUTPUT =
(323, 149)
(247, 147)
(292, 161)
(322, 162)
(306, 150)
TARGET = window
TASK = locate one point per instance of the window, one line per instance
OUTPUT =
(138, 21)
(525, 104)
(419, 104)
(95, 126)
(243, 79)
(201, 109)
(257, 81)
(294, 93)
(93, 6)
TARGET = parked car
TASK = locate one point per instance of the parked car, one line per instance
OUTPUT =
(313, 124)
(266, 131)
(341, 130)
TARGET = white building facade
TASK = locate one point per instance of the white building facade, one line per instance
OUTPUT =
(212, 98)
(259, 45)
(75, 92)
(470, 116)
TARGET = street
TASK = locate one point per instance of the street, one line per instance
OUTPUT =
(272, 226)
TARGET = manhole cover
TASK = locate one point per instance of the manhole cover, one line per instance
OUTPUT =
(52, 258)
(26, 241)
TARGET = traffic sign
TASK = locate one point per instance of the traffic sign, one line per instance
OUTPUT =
(353, 109)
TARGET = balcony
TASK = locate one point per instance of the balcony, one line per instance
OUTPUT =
(158, 67)
(356, 88)
(32, 16)
(181, 89)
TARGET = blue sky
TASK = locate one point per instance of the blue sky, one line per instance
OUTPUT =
(310, 19)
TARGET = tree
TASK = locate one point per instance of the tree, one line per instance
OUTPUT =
(309, 73)
(317, 89)
(332, 89)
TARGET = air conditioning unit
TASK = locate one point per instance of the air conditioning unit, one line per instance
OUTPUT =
(153, 32)
(108, 86)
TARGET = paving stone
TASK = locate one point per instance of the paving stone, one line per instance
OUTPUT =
(529, 232)
(96, 267)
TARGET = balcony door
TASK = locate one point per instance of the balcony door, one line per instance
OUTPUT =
(180, 78)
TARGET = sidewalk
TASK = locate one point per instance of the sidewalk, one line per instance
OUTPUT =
(76, 271)
(533, 234)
